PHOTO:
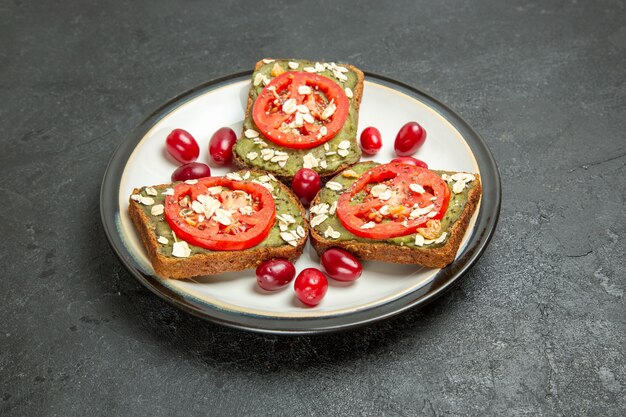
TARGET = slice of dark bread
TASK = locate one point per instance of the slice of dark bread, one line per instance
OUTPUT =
(205, 262)
(401, 250)
(348, 132)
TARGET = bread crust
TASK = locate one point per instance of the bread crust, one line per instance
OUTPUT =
(357, 96)
(379, 251)
(215, 262)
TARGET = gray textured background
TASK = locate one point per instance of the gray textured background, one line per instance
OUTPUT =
(536, 328)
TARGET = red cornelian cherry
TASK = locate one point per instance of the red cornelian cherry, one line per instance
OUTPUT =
(221, 146)
(311, 286)
(275, 274)
(409, 139)
(191, 171)
(182, 146)
(341, 265)
(371, 140)
(409, 160)
(306, 184)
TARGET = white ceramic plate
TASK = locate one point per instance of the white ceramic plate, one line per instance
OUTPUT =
(235, 298)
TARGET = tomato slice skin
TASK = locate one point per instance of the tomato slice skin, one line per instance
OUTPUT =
(211, 236)
(399, 178)
(268, 115)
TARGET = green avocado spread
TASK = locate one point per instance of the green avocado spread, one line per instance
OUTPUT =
(250, 149)
(328, 196)
(284, 205)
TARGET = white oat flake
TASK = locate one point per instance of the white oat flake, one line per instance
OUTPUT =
(417, 188)
(423, 241)
(378, 189)
(349, 92)
(293, 65)
(267, 154)
(344, 144)
(458, 187)
(267, 185)
(210, 206)
(343, 152)
(234, 176)
(321, 208)
(304, 90)
(267, 60)
(331, 233)
(290, 106)
(197, 206)
(222, 216)
(260, 78)
(157, 210)
(309, 161)
(300, 231)
(191, 182)
(146, 201)
(260, 142)
(287, 237)
(319, 219)
(168, 191)
(180, 249)
(163, 240)
(286, 218)
(333, 208)
(151, 191)
(463, 176)
(368, 225)
(329, 110)
(386, 195)
(442, 237)
(340, 76)
(251, 133)
(418, 212)
(246, 210)
(335, 186)
(280, 158)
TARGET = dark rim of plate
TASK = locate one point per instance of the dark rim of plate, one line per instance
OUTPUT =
(483, 229)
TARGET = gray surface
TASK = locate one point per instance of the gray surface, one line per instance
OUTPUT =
(536, 328)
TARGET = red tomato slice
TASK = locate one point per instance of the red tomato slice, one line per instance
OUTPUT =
(393, 200)
(291, 128)
(248, 227)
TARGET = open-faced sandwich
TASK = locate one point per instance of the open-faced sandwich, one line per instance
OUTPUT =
(395, 213)
(301, 114)
(213, 225)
